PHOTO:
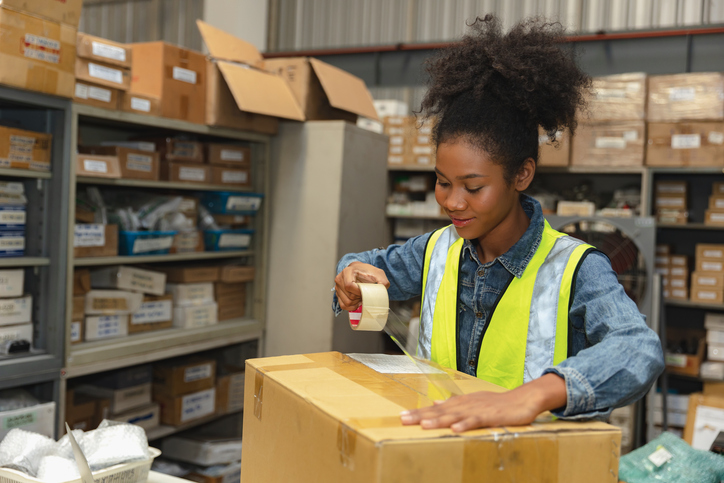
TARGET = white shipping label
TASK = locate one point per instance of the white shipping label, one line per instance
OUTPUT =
(242, 203)
(633, 86)
(631, 135)
(108, 51)
(660, 457)
(397, 150)
(678, 189)
(139, 162)
(706, 281)
(425, 160)
(234, 176)
(719, 203)
(707, 425)
(192, 174)
(234, 240)
(14, 307)
(15, 217)
(712, 266)
(422, 150)
(232, 155)
(682, 94)
(712, 253)
(152, 244)
(685, 141)
(75, 331)
(670, 202)
(197, 373)
(718, 217)
(676, 360)
(81, 91)
(608, 142)
(89, 236)
(105, 73)
(198, 405)
(678, 283)
(100, 94)
(603, 94)
(138, 104)
(94, 166)
(396, 140)
(12, 243)
(184, 75)
(706, 295)
(716, 137)
(395, 159)
(110, 326)
(150, 312)
(678, 272)
(42, 48)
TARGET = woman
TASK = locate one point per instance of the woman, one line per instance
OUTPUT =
(505, 297)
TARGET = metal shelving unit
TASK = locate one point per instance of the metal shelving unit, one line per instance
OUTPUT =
(25, 173)
(165, 185)
(24, 262)
(693, 305)
(174, 257)
(689, 226)
(163, 430)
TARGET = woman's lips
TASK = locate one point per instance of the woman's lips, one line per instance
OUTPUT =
(460, 222)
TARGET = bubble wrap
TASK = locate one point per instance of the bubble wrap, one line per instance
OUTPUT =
(56, 469)
(112, 444)
(12, 399)
(23, 450)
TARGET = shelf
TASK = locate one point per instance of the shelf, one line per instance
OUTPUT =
(689, 226)
(24, 262)
(420, 217)
(25, 173)
(693, 305)
(174, 257)
(134, 120)
(175, 185)
(410, 168)
(100, 356)
(592, 169)
(689, 170)
(163, 430)
(691, 378)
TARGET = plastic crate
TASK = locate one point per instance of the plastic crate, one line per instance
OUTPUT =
(230, 203)
(134, 472)
(140, 243)
(224, 240)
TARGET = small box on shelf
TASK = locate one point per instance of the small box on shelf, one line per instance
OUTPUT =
(105, 327)
(22, 149)
(132, 163)
(685, 144)
(686, 364)
(156, 313)
(228, 154)
(140, 104)
(190, 274)
(97, 96)
(230, 176)
(141, 243)
(185, 172)
(103, 50)
(196, 315)
(183, 409)
(121, 399)
(98, 166)
(177, 377)
(147, 417)
(617, 144)
(129, 278)
(688, 96)
(102, 74)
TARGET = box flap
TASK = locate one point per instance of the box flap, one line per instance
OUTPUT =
(224, 46)
(344, 90)
(260, 92)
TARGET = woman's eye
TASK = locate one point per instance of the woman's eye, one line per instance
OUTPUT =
(473, 190)
(443, 183)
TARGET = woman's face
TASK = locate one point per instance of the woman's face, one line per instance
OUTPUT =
(472, 189)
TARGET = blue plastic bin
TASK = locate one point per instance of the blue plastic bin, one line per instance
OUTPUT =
(226, 240)
(231, 203)
(140, 243)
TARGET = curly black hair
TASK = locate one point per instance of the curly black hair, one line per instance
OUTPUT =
(493, 90)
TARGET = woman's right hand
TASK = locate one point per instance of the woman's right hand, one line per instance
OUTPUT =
(345, 283)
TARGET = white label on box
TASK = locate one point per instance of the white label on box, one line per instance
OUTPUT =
(608, 142)
(75, 331)
(423, 139)
(110, 326)
(15, 217)
(108, 51)
(198, 405)
(675, 360)
(718, 217)
(187, 205)
(105, 73)
(396, 140)
(685, 141)
(397, 150)
(633, 86)
(660, 457)
(138, 104)
(679, 293)
(228, 240)
(422, 150)
(424, 160)
(395, 160)
(192, 174)
(678, 189)
(707, 425)
(196, 373)
(42, 48)
(11, 283)
(603, 94)
(139, 162)
(152, 244)
(670, 202)
(678, 283)
(232, 155)
(682, 94)
(94, 166)
(242, 203)
(89, 236)
(631, 135)
(150, 312)
(678, 272)
(719, 203)
(12, 243)
(705, 295)
(706, 281)
(100, 94)
(712, 266)
(81, 91)
(713, 253)
(184, 75)
(716, 137)
(234, 176)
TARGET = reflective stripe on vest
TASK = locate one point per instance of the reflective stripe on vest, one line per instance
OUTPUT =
(528, 329)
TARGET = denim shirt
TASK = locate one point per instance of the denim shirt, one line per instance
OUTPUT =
(614, 357)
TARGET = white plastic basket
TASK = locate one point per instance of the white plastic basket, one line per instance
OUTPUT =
(135, 472)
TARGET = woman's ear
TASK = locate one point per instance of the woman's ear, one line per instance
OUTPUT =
(525, 175)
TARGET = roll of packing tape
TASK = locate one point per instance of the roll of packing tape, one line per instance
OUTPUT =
(372, 314)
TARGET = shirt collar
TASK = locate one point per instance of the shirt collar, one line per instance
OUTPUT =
(516, 259)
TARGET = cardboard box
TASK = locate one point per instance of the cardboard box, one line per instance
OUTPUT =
(37, 54)
(677, 294)
(703, 422)
(190, 274)
(231, 311)
(188, 241)
(677, 283)
(686, 96)
(228, 154)
(620, 97)
(97, 166)
(714, 217)
(715, 337)
(140, 104)
(706, 265)
(95, 241)
(121, 400)
(712, 370)
(77, 332)
(78, 307)
(712, 280)
(12, 283)
(609, 144)
(133, 163)
(185, 172)
(175, 75)
(685, 144)
(195, 316)
(230, 293)
(554, 154)
(81, 281)
(678, 260)
(129, 278)
(103, 50)
(16, 310)
(672, 217)
(124, 378)
(98, 96)
(236, 273)
(717, 189)
(62, 11)
(670, 202)
(230, 473)
(188, 294)
(707, 296)
(230, 176)
(662, 260)
(37, 419)
(202, 449)
(183, 376)
(351, 431)
(79, 411)
(233, 221)
(21, 149)
(710, 251)
(671, 188)
(17, 332)
(112, 302)
(715, 389)
(102, 74)
(156, 313)
(229, 389)
(182, 409)
(147, 417)
(105, 327)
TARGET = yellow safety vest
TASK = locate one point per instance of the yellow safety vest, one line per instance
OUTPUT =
(527, 331)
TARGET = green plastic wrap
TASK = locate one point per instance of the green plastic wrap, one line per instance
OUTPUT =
(670, 459)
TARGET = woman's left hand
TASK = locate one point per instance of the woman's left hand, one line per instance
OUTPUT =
(518, 407)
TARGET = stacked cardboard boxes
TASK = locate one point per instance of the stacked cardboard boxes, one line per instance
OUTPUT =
(674, 270)
(677, 407)
(102, 71)
(230, 164)
(714, 215)
(714, 325)
(131, 162)
(21, 149)
(12, 219)
(16, 311)
(230, 291)
(185, 389)
(707, 282)
(410, 141)
(671, 202)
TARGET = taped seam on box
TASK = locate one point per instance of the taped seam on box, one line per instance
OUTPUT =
(346, 444)
(258, 393)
